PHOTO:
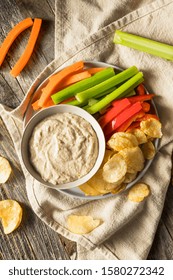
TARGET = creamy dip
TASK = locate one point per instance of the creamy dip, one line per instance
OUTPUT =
(63, 148)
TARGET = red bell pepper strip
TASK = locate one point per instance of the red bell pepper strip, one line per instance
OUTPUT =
(127, 123)
(140, 90)
(135, 124)
(113, 112)
(136, 98)
(148, 116)
(121, 118)
(145, 106)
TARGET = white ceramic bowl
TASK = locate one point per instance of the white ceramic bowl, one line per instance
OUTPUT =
(38, 117)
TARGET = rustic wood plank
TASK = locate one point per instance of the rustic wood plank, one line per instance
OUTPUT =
(162, 247)
(44, 50)
(69, 246)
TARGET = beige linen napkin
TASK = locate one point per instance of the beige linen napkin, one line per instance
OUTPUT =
(128, 228)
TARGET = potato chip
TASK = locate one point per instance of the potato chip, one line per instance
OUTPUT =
(98, 183)
(115, 169)
(5, 170)
(152, 128)
(107, 156)
(122, 140)
(134, 159)
(129, 177)
(82, 224)
(88, 190)
(140, 135)
(149, 138)
(138, 192)
(119, 189)
(148, 150)
(11, 215)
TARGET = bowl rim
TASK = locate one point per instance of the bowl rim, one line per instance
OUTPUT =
(62, 108)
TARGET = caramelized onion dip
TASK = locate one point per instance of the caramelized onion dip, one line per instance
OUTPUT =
(63, 148)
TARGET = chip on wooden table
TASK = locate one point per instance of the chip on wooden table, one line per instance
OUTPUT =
(122, 140)
(82, 224)
(138, 192)
(151, 127)
(5, 170)
(10, 215)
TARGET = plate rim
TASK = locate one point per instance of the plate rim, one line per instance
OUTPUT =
(79, 194)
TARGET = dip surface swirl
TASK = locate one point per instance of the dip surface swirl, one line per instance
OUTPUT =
(63, 148)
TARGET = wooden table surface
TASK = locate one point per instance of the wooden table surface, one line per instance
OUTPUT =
(34, 239)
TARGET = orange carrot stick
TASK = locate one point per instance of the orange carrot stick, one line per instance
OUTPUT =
(94, 70)
(48, 103)
(35, 106)
(21, 63)
(56, 80)
(75, 78)
(71, 79)
(12, 35)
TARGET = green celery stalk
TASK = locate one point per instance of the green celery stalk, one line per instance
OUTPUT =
(92, 101)
(144, 44)
(105, 92)
(131, 93)
(83, 85)
(128, 85)
(106, 85)
(86, 107)
(128, 92)
(76, 103)
(81, 104)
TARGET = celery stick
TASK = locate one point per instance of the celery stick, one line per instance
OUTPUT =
(105, 92)
(77, 103)
(83, 85)
(131, 93)
(92, 101)
(86, 107)
(87, 103)
(130, 84)
(109, 83)
(144, 44)
(129, 90)
(81, 104)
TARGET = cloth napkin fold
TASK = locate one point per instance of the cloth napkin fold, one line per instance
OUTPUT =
(128, 228)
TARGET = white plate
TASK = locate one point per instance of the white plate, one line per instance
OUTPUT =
(76, 192)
